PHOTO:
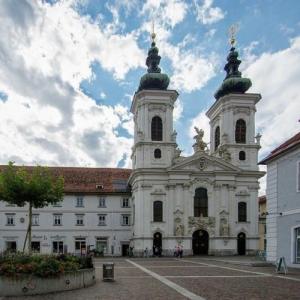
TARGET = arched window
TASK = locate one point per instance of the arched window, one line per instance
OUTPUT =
(217, 137)
(242, 155)
(200, 203)
(157, 211)
(240, 131)
(242, 212)
(156, 129)
(157, 153)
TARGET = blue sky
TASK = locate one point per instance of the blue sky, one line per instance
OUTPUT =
(69, 69)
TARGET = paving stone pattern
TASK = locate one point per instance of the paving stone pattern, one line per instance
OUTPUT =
(217, 278)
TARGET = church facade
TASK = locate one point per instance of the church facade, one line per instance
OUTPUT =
(207, 202)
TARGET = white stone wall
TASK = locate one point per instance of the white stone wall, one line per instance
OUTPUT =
(272, 205)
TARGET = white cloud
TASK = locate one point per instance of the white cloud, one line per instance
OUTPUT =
(206, 14)
(277, 77)
(45, 52)
(178, 109)
(102, 95)
(168, 12)
(192, 70)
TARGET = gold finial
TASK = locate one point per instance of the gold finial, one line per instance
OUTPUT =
(153, 35)
(233, 29)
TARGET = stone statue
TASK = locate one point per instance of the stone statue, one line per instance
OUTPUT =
(179, 230)
(200, 145)
(224, 153)
(177, 152)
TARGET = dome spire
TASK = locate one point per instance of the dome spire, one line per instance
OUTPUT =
(153, 79)
(233, 82)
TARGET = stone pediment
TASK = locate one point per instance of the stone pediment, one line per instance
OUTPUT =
(203, 162)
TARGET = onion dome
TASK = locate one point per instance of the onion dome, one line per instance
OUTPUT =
(153, 79)
(233, 82)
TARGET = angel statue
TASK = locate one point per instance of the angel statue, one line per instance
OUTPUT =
(200, 145)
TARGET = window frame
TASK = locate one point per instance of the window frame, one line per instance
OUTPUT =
(241, 131)
(10, 216)
(78, 200)
(79, 219)
(157, 153)
(35, 217)
(217, 137)
(102, 222)
(156, 128)
(156, 214)
(126, 223)
(242, 215)
(124, 205)
(201, 206)
(57, 217)
(102, 202)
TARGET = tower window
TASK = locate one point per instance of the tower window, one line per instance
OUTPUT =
(242, 212)
(242, 155)
(157, 153)
(240, 131)
(157, 211)
(200, 203)
(156, 129)
(217, 137)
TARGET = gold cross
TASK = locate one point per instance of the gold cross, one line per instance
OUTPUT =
(233, 29)
(153, 35)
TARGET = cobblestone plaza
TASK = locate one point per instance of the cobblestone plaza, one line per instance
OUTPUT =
(187, 278)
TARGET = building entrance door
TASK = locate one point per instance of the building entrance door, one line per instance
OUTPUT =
(200, 242)
(125, 249)
(157, 244)
(241, 243)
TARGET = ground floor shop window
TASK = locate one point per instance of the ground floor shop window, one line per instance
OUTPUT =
(58, 247)
(36, 247)
(80, 246)
(297, 246)
(11, 246)
(101, 245)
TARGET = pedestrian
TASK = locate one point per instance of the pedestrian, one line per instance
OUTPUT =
(146, 254)
(180, 251)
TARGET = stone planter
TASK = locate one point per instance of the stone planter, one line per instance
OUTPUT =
(32, 285)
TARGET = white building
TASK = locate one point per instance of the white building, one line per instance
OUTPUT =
(283, 205)
(95, 213)
(206, 202)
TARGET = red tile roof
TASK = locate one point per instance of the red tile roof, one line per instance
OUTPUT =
(91, 180)
(287, 145)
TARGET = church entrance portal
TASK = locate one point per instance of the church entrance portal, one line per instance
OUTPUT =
(200, 242)
(241, 243)
(157, 244)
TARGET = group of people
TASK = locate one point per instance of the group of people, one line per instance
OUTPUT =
(178, 252)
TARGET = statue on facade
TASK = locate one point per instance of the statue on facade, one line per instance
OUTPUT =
(173, 136)
(179, 230)
(200, 145)
(224, 153)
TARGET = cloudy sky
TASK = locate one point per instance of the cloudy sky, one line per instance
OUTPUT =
(68, 70)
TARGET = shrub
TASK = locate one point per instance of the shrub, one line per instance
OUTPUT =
(42, 265)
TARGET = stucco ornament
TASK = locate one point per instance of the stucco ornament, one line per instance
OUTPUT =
(200, 145)
(207, 223)
(224, 153)
(179, 230)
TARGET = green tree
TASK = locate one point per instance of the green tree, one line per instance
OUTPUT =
(33, 187)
